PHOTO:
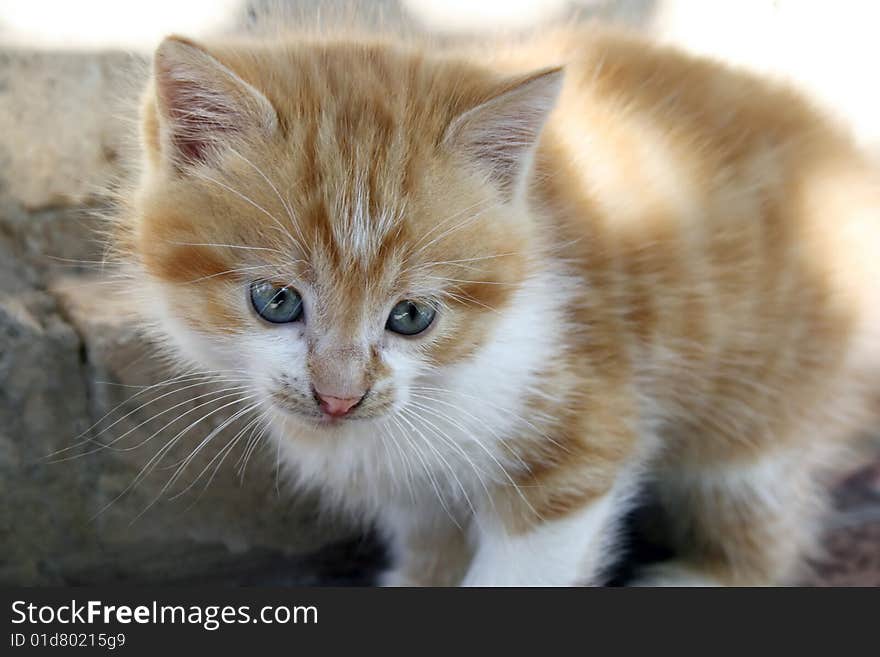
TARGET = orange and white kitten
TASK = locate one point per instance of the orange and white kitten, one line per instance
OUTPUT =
(483, 296)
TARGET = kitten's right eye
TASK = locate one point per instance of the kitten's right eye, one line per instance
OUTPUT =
(410, 317)
(275, 304)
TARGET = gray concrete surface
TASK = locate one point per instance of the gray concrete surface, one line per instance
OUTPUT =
(67, 359)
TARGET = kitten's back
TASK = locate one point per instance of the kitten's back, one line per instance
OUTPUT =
(734, 229)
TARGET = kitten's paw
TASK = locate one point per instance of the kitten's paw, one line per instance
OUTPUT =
(393, 578)
(673, 573)
(398, 578)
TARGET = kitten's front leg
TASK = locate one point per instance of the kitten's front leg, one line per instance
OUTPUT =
(565, 551)
(554, 524)
(427, 547)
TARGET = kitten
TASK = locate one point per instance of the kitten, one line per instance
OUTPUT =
(482, 297)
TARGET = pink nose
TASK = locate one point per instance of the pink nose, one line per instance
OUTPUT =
(336, 406)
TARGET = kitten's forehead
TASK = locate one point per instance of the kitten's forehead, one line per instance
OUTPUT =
(356, 255)
(362, 232)
(358, 161)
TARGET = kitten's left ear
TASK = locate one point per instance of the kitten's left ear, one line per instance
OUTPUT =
(202, 104)
(501, 133)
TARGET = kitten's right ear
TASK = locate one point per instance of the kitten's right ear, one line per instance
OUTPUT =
(501, 133)
(202, 104)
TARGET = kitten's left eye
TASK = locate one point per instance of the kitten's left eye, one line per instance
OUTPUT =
(275, 304)
(410, 317)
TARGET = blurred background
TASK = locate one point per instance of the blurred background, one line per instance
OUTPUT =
(72, 369)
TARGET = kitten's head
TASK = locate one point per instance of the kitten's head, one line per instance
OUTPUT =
(334, 223)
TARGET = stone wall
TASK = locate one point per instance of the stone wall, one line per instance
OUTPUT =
(67, 359)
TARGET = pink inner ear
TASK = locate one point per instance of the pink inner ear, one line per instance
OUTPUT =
(501, 132)
(202, 103)
(197, 117)
(194, 132)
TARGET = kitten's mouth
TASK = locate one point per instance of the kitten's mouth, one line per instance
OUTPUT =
(310, 410)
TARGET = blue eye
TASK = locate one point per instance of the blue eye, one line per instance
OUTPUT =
(278, 305)
(410, 318)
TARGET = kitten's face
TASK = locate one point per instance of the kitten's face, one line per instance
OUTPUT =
(355, 305)
(331, 252)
